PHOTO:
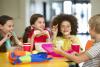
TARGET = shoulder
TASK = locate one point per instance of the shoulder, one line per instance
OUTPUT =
(94, 50)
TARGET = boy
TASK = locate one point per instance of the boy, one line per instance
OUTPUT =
(91, 57)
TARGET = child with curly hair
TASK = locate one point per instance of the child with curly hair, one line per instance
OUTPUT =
(91, 57)
(64, 28)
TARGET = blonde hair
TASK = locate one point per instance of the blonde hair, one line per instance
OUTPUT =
(94, 23)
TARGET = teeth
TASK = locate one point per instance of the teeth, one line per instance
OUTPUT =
(66, 33)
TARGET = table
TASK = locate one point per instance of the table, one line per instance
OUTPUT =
(55, 62)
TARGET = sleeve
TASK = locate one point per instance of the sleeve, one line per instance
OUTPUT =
(94, 51)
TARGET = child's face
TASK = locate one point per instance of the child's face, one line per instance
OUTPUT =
(65, 28)
(40, 23)
(8, 26)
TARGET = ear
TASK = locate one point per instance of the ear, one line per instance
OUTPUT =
(93, 28)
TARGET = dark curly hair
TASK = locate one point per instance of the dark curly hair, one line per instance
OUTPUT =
(65, 17)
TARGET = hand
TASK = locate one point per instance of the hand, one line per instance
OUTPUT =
(54, 30)
(19, 48)
(37, 33)
(8, 35)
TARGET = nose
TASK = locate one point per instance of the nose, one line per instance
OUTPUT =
(42, 24)
(11, 28)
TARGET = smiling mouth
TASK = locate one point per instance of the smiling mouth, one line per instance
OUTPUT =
(66, 32)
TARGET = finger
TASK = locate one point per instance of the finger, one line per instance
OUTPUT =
(9, 35)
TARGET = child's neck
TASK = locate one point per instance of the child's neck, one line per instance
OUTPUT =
(97, 38)
(67, 36)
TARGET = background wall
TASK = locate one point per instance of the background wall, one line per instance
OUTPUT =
(20, 11)
(95, 7)
(16, 9)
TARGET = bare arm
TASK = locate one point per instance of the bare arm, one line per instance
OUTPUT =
(78, 59)
(32, 42)
(16, 39)
(2, 41)
(7, 36)
(54, 31)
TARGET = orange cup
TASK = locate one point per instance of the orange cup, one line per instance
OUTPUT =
(26, 46)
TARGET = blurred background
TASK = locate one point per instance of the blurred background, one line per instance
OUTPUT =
(21, 10)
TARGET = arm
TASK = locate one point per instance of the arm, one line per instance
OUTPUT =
(16, 39)
(54, 31)
(48, 36)
(7, 36)
(32, 42)
(2, 41)
(93, 52)
(78, 59)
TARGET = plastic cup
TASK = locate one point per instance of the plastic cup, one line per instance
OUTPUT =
(26, 46)
(75, 47)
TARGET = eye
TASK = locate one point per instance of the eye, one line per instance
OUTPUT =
(39, 22)
(11, 26)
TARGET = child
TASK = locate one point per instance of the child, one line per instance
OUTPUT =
(6, 28)
(91, 57)
(64, 28)
(37, 31)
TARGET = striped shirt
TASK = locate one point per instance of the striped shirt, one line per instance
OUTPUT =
(94, 54)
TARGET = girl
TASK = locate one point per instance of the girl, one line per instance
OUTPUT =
(64, 28)
(90, 57)
(37, 31)
(6, 28)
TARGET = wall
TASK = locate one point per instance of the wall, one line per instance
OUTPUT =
(16, 9)
(95, 6)
(20, 11)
